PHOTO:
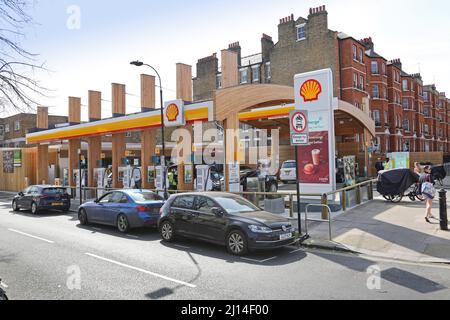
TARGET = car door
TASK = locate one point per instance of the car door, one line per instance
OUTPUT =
(111, 209)
(28, 199)
(207, 225)
(21, 203)
(182, 209)
(97, 211)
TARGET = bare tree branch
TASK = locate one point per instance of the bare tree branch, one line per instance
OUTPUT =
(18, 86)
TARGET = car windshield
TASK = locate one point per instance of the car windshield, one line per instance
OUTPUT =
(53, 191)
(234, 205)
(145, 196)
(289, 165)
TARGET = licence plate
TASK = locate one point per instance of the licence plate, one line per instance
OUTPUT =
(57, 204)
(286, 236)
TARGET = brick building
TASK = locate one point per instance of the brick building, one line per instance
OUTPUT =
(13, 129)
(408, 115)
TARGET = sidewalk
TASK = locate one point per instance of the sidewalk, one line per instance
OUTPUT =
(387, 230)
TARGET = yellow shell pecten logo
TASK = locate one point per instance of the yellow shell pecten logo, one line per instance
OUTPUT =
(311, 90)
(172, 112)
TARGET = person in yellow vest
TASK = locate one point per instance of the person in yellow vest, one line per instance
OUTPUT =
(172, 181)
(387, 164)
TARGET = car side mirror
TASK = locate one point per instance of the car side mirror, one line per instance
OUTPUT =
(21, 194)
(218, 212)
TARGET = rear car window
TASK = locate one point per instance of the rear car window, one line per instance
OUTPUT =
(145, 196)
(184, 202)
(54, 191)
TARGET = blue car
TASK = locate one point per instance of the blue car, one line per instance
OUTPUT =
(125, 209)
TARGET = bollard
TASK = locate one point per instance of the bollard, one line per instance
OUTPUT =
(443, 209)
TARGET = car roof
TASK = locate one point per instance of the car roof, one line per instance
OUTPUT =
(207, 194)
(47, 186)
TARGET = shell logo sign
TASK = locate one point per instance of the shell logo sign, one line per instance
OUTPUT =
(172, 112)
(311, 90)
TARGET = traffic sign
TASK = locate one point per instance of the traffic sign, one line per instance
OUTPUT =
(299, 128)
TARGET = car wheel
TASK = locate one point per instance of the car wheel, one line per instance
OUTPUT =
(167, 231)
(237, 243)
(15, 206)
(122, 223)
(34, 208)
(82, 216)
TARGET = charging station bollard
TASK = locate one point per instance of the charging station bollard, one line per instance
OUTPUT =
(443, 209)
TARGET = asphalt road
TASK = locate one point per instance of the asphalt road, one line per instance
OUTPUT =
(52, 257)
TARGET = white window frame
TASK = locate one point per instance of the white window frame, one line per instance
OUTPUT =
(377, 95)
(298, 28)
(386, 117)
(405, 85)
(355, 80)
(241, 71)
(258, 69)
(376, 115)
(268, 71)
(361, 82)
(355, 52)
(374, 65)
(17, 125)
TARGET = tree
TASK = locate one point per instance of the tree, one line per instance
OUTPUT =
(18, 87)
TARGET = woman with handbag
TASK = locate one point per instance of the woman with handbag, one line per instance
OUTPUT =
(428, 191)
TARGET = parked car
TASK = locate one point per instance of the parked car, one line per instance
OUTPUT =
(224, 219)
(125, 209)
(42, 197)
(288, 172)
(218, 180)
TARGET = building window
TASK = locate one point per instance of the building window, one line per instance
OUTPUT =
(255, 73)
(7, 128)
(426, 129)
(2, 130)
(406, 125)
(355, 80)
(357, 104)
(405, 103)
(376, 117)
(405, 85)
(361, 82)
(385, 93)
(219, 81)
(426, 112)
(425, 96)
(301, 32)
(374, 65)
(386, 118)
(16, 125)
(361, 55)
(383, 66)
(268, 71)
(355, 55)
(375, 92)
(244, 75)
(128, 134)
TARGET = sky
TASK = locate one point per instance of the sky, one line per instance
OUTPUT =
(87, 45)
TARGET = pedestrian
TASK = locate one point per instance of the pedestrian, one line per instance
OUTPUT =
(379, 166)
(428, 191)
(387, 164)
(417, 168)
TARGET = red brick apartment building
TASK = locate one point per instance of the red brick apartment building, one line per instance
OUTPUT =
(409, 115)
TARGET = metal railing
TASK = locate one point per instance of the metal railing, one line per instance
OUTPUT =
(328, 220)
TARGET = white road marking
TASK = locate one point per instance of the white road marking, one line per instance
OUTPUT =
(142, 270)
(296, 251)
(258, 261)
(31, 236)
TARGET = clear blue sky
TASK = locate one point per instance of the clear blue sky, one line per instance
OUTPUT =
(112, 33)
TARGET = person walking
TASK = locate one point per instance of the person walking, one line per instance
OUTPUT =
(387, 164)
(417, 168)
(428, 191)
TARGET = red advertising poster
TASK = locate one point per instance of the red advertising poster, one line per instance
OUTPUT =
(314, 160)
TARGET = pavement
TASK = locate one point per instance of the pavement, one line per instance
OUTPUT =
(50, 256)
(386, 230)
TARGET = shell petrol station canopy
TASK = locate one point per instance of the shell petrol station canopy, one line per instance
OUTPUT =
(201, 111)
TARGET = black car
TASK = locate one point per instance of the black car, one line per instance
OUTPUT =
(224, 219)
(39, 198)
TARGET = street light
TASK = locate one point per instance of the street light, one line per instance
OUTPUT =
(163, 157)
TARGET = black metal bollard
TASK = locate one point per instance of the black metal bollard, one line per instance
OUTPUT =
(443, 209)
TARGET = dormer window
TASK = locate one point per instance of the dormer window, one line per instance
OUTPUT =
(301, 32)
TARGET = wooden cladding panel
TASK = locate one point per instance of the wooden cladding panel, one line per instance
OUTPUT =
(42, 118)
(184, 82)
(148, 95)
(95, 105)
(118, 99)
(74, 110)
(230, 65)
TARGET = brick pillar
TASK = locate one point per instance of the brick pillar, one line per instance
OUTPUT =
(148, 136)
(118, 139)
(42, 149)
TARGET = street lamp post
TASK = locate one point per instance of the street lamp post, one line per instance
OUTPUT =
(163, 157)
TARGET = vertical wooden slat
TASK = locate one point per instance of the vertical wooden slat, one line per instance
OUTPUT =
(148, 136)
(118, 139)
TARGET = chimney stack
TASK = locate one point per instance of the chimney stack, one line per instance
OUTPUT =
(266, 47)
(368, 43)
(235, 47)
(317, 10)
